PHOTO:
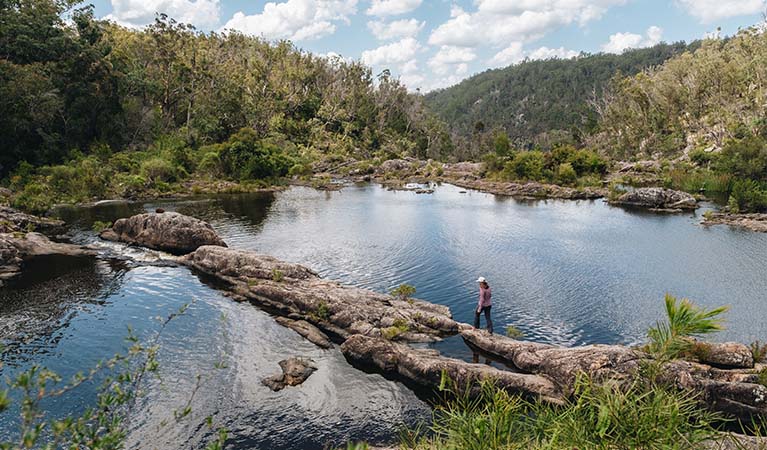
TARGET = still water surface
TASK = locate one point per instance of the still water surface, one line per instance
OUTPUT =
(564, 272)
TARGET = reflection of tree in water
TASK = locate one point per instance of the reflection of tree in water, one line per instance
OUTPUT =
(32, 310)
(84, 217)
(253, 207)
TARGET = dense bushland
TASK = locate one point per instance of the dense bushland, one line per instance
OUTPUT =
(125, 110)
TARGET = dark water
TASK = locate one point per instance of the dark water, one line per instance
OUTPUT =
(565, 272)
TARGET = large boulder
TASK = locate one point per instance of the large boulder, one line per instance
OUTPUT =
(658, 199)
(18, 249)
(167, 231)
(294, 291)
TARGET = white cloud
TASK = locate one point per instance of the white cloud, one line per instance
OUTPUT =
(508, 56)
(400, 52)
(450, 59)
(295, 19)
(498, 22)
(514, 54)
(620, 42)
(392, 7)
(708, 11)
(398, 29)
(137, 13)
(550, 53)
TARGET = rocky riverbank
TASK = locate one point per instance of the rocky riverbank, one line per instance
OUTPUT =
(20, 245)
(752, 222)
(375, 332)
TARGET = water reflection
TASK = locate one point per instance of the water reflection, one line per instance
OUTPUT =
(563, 272)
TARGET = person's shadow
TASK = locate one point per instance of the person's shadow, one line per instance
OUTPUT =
(475, 359)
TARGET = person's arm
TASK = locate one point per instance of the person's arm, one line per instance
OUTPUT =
(479, 302)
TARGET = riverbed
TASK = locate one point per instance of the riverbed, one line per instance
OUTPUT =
(563, 272)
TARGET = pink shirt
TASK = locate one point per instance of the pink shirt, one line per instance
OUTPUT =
(484, 297)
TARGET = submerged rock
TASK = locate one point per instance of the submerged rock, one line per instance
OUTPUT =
(168, 231)
(18, 249)
(294, 372)
(307, 330)
(658, 199)
(294, 291)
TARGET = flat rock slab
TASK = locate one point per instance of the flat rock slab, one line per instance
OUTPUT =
(17, 248)
(307, 330)
(427, 368)
(560, 364)
(168, 231)
(657, 199)
(752, 222)
(529, 190)
(736, 392)
(294, 291)
(12, 220)
(294, 372)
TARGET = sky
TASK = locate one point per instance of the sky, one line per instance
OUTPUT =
(431, 44)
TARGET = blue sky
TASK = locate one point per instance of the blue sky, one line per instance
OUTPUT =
(435, 43)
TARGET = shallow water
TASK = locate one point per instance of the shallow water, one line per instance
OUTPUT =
(565, 272)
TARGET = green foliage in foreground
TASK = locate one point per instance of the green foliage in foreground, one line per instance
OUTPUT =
(671, 338)
(604, 415)
(103, 426)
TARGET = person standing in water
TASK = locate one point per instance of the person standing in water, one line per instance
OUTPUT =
(484, 304)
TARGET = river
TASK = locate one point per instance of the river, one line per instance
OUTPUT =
(563, 272)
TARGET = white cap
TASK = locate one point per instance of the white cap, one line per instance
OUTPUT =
(481, 280)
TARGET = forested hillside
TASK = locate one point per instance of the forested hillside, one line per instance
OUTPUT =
(108, 110)
(535, 98)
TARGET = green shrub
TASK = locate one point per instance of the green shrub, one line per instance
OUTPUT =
(158, 170)
(566, 174)
(323, 313)
(673, 337)
(277, 275)
(35, 198)
(744, 158)
(398, 328)
(492, 163)
(246, 156)
(210, 164)
(525, 166)
(749, 196)
(501, 144)
(403, 291)
(300, 170)
(129, 186)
